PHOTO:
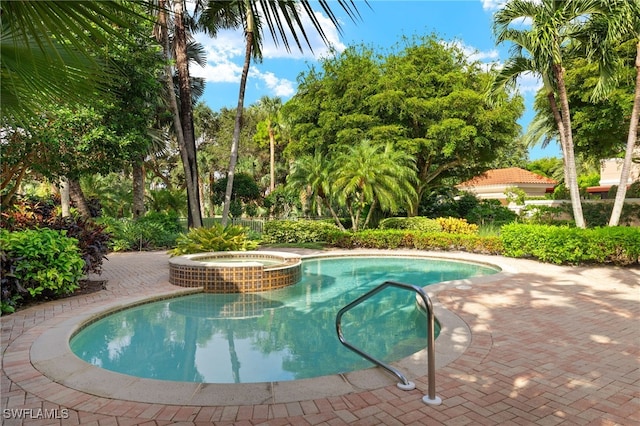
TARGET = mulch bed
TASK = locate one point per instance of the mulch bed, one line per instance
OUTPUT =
(86, 287)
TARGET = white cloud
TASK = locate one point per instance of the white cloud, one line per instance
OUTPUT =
(222, 55)
(225, 54)
(279, 86)
(493, 4)
(529, 83)
(474, 54)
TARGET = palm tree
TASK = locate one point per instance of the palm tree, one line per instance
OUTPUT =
(39, 69)
(603, 32)
(271, 107)
(374, 175)
(554, 24)
(250, 14)
(311, 175)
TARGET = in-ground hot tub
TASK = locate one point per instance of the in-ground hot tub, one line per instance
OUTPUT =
(235, 271)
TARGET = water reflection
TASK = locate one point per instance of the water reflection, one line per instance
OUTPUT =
(280, 335)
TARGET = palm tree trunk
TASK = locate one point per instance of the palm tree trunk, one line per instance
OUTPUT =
(138, 189)
(186, 116)
(238, 122)
(272, 158)
(369, 214)
(163, 38)
(631, 144)
(551, 97)
(570, 160)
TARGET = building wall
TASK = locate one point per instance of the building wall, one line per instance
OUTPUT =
(497, 192)
(611, 168)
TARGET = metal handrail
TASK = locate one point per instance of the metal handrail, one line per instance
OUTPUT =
(405, 384)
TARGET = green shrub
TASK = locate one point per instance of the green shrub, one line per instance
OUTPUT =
(490, 212)
(633, 191)
(564, 245)
(298, 231)
(152, 231)
(40, 213)
(453, 225)
(38, 263)
(417, 223)
(393, 239)
(215, 238)
(547, 215)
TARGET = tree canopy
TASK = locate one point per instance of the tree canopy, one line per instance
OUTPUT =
(425, 98)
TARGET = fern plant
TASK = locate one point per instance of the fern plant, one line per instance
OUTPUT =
(215, 238)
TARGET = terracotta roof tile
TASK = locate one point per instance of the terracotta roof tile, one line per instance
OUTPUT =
(511, 175)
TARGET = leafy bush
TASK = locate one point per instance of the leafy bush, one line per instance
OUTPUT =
(297, 231)
(38, 213)
(38, 263)
(452, 225)
(394, 238)
(152, 231)
(93, 240)
(564, 245)
(417, 223)
(547, 215)
(490, 212)
(216, 238)
(634, 190)
(445, 202)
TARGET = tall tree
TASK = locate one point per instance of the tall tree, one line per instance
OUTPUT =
(425, 98)
(251, 14)
(188, 146)
(310, 174)
(541, 49)
(270, 107)
(605, 32)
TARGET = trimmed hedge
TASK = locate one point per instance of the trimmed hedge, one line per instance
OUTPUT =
(298, 231)
(416, 223)
(564, 245)
(560, 245)
(393, 239)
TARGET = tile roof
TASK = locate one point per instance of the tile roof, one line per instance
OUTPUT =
(511, 175)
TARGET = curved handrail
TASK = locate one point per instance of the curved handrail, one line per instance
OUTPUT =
(431, 398)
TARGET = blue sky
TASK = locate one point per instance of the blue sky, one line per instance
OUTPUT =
(467, 22)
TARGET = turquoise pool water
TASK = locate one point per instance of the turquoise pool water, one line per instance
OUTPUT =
(280, 335)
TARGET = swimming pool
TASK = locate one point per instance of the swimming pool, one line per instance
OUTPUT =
(279, 335)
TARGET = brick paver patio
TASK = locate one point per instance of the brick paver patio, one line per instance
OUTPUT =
(549, 345)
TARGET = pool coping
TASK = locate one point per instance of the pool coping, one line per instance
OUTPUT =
(57, 362)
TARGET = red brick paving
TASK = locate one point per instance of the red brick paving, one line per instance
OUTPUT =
(549, 345)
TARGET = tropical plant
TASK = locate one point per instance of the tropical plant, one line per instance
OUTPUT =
(47, 52)
(271, 109)
(427, 99)
(370, 175)
(39, 262)
(183, 114)
(310, 175)
(604, 32)
(215, 238)
(542, 49)
(250, 15)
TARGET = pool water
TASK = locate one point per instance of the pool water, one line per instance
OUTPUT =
(265, 262)
(284, 334)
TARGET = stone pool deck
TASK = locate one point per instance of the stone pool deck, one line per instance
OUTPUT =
(538, 344)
